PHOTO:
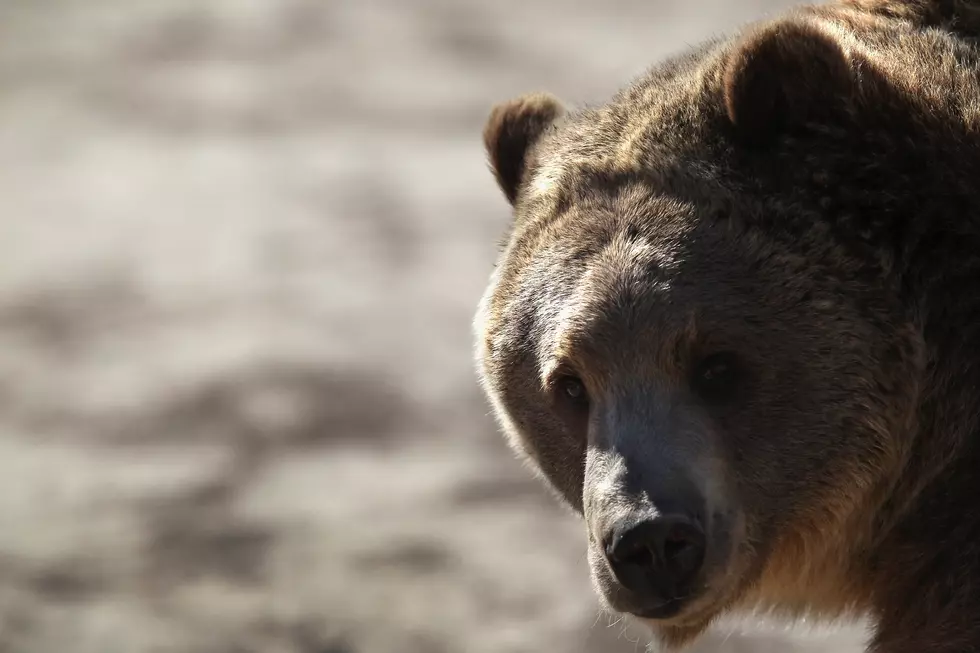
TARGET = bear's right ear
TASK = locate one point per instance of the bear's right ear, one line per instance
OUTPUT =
(512, 128)
(785, 74)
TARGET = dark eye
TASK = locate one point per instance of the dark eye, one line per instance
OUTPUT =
(716, 378)
(571, 390)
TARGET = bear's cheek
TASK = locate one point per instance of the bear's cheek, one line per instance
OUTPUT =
(776, 459)
(538, 435)
(562, 462)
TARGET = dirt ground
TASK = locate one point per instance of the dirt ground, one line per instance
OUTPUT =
(242, 244)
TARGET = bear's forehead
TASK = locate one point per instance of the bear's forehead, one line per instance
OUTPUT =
(666, 145)
(612, 288)
(609, 224)
(617, 290)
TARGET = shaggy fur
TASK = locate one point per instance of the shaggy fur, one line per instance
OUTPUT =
(806, 195)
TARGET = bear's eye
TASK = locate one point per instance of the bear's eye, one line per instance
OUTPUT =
(716, 378)
(571, 391)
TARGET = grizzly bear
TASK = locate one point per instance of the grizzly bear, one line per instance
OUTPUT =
(736, 323)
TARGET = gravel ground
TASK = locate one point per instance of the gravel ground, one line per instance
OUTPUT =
(243, 241)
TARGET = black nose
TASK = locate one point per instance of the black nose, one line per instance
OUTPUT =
(656, 558)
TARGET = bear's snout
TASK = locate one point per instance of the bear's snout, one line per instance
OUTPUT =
(658, 540)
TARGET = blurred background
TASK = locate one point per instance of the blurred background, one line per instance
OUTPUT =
(242, 243)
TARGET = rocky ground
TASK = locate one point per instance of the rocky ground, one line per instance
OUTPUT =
(242, 244)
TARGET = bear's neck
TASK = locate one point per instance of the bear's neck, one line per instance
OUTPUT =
(925, 573)
(924, 570)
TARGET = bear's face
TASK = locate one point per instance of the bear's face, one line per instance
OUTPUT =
(718, 404)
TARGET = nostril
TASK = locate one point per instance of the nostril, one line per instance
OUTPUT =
(675, 544)
(683, 549)
(681, 536)
(634, 551)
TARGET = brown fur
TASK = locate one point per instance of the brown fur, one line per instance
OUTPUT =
(959, 16)
(804, 194)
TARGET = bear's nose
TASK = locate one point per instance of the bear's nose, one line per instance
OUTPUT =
(656, 558)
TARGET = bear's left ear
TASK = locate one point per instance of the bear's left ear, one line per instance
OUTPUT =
(785, 74)
(512, 128)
